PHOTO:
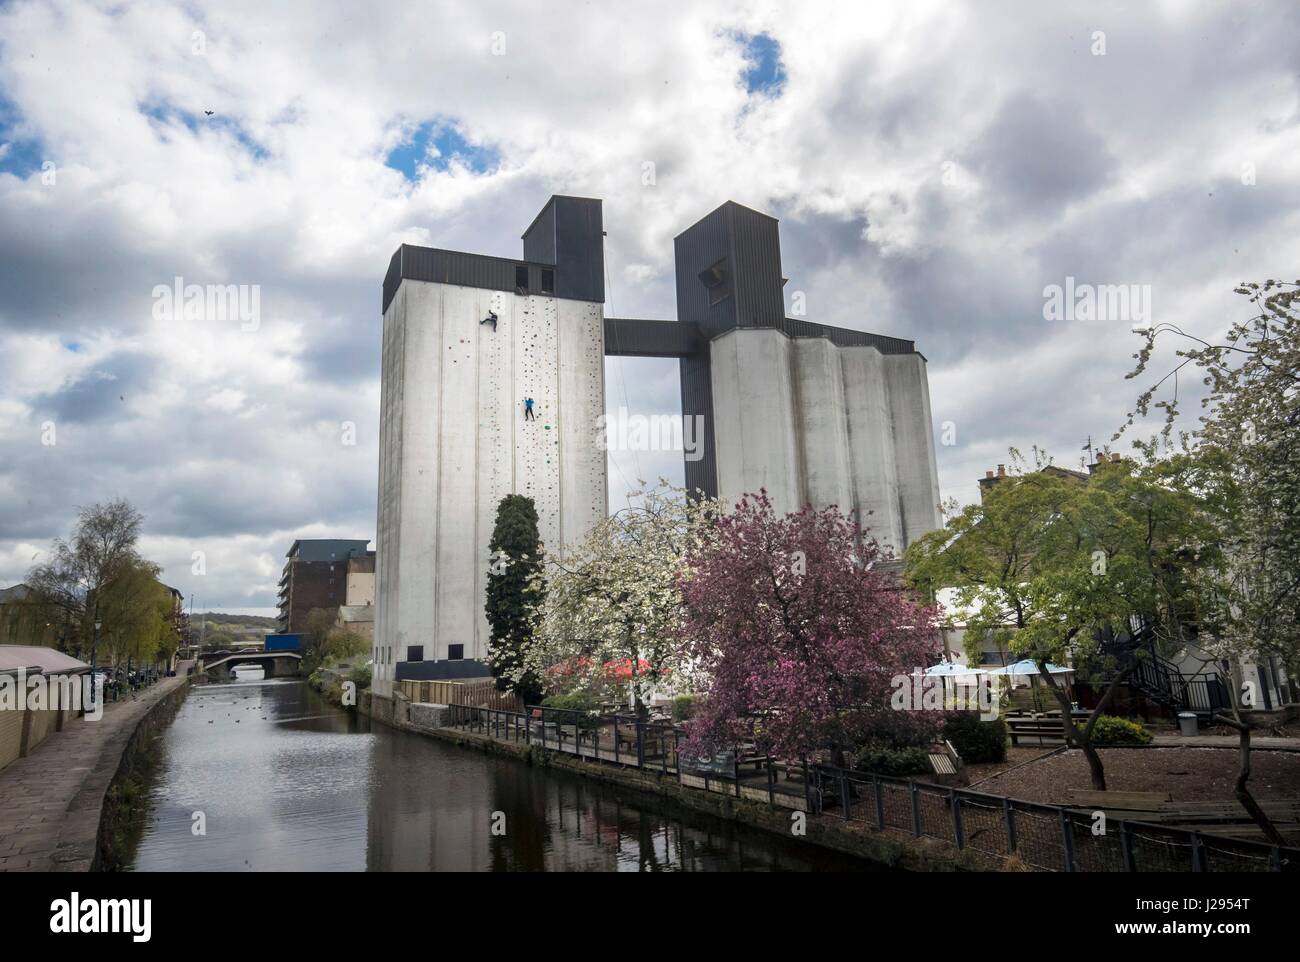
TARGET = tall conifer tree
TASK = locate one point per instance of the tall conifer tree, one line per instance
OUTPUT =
(514, 592)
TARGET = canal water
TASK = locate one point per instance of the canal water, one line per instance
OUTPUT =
(279, 779)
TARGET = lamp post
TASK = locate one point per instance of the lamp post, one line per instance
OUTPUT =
(94, 648)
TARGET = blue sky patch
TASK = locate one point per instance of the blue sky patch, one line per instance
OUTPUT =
(764, 74)
(22, 158)
(434, 144)
(167, 114)
(19, 155)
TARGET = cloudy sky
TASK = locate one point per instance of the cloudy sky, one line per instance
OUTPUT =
(935, 167)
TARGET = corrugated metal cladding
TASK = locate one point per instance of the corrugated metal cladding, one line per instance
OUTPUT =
(539, 239)
(566, 238)
(579, 248)
(843, 337)
(632, 337)
(695, 250)
(392, 278)
(697, 399)
(756, 248)
(465, 270)
(749, 244)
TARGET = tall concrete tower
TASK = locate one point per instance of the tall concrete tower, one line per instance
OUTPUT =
(468, 341)
(813, 413)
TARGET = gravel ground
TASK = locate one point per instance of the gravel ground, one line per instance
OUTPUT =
(1191, 774)
(1015, 756)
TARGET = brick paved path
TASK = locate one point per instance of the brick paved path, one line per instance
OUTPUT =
(50, 801)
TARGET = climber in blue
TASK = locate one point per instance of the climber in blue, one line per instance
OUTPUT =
(528, 410)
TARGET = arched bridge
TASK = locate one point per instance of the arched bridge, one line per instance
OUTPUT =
(273, 663)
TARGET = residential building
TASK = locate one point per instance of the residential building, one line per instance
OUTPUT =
(25, 620)
(180, 621)
(316, 576)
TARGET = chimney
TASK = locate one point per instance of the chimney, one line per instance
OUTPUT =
(991, 479)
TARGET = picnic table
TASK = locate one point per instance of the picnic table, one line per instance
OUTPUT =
(1046, 727)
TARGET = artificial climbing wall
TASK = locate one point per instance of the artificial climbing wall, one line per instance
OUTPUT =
(454, 442)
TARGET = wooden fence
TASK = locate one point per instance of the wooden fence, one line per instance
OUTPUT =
(479, 694)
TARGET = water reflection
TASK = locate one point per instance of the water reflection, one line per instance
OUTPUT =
(285, 781)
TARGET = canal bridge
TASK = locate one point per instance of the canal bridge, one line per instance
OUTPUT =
(274, 663)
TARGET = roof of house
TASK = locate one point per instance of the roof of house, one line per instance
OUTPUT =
(327, 549)
(18, 592)
(1061, 472)
(34, 658)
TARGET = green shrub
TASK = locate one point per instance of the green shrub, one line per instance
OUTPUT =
(361, 677)
(1111, 730)
(684, 707)
(976, 741)
(881, 759)
(573, 701)
(578, 701)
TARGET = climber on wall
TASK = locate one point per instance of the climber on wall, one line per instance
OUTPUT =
(528, 410)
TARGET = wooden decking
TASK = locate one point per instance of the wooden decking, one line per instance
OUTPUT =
(1224, 818)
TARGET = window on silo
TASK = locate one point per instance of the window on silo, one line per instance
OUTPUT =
(415, 652)
(715, 279)
(548, 281)
(455, 652)
(521, 277)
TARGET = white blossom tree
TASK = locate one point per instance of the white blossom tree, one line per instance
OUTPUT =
(613, 603)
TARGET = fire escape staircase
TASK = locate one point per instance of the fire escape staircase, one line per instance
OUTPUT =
(1159, 679)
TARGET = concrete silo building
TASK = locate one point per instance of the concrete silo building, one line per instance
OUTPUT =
(814, 414)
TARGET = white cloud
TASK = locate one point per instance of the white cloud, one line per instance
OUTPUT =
(1117, 169)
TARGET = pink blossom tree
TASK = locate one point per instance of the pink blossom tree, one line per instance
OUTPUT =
(799, 635)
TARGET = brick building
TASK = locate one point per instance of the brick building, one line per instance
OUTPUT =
(316, 574)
